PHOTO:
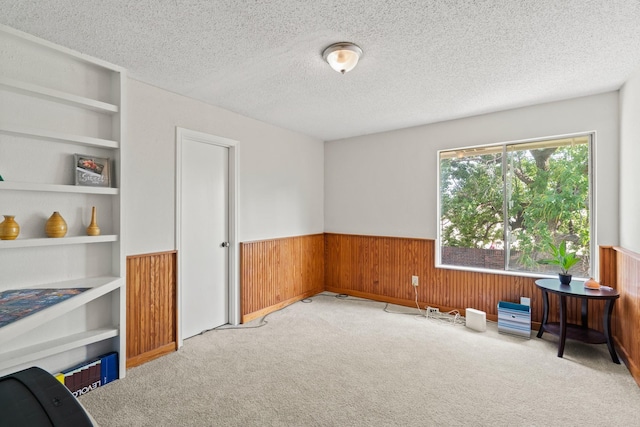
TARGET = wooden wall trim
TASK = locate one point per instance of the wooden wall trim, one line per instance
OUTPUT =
(621, 269)
(151, 254)
(277, 239)
(380, 268)
(278, 272)
(150, 355)
(631, 254)
(275, 307)
(151, 306)
(380, 237)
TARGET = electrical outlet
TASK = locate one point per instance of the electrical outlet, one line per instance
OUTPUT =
(414, 280)
(433, 310)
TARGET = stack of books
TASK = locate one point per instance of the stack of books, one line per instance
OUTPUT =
(90, 375)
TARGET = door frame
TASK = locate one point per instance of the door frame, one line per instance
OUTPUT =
(234, 246)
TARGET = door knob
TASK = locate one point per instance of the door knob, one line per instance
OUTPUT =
(224, 245)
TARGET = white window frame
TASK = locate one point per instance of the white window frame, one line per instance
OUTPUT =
(594, 263)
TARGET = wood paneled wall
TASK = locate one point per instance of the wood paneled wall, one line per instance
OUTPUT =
(275, 273)
(380, 268)
(151, 306)
(621, 270)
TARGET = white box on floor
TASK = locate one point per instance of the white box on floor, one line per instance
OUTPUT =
(476, 319)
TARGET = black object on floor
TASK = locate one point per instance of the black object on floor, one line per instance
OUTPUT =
(35, 398)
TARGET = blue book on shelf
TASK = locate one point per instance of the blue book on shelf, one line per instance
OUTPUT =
(109, 368)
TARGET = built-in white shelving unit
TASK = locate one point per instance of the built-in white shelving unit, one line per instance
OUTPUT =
(55, 102)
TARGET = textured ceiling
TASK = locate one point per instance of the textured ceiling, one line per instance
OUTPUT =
(424, 61)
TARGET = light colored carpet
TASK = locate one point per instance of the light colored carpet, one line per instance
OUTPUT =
(334, 362)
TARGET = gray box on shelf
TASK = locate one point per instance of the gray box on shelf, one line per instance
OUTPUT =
(514, 319)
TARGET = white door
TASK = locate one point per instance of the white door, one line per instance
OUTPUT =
(204, 236)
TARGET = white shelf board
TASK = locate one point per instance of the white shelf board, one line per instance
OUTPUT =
(55, 136)
(99, 286)
(49, 348)
(56, 188)
(57, 96)
(56, 241)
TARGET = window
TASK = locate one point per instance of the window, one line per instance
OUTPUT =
(502, 205)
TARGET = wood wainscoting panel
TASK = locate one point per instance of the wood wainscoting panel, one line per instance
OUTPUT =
(151, 306)
(620, 269)
(278, 272)
(380, 268)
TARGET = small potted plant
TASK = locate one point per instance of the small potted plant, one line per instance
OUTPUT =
(563, 259)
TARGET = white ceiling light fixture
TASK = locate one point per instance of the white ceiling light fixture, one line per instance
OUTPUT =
(343, 56)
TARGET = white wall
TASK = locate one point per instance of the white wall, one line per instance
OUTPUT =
(629, 160)
(386, 184)
(280, 178)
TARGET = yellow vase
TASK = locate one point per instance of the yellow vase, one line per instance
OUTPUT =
(9, 228)
(93, 229)
(56, 226)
